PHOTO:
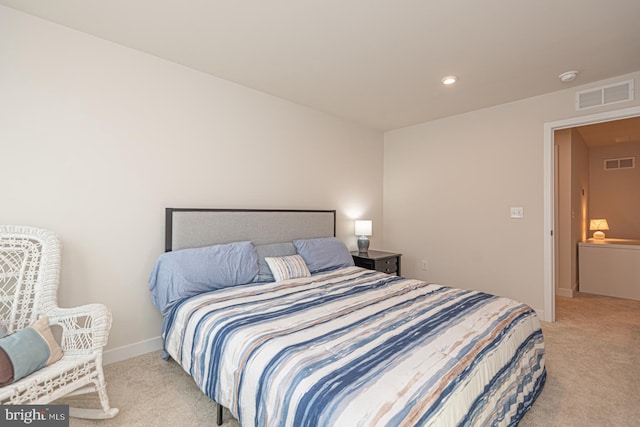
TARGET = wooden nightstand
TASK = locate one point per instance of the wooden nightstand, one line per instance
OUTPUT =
(386, 262)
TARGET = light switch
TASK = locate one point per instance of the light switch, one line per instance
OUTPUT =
(517, 212)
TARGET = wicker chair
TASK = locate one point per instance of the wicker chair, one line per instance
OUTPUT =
(29, 274)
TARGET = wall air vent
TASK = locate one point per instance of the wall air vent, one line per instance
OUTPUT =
(605, 95)
(621, 163)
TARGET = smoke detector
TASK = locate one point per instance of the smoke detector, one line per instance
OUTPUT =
(568, 76)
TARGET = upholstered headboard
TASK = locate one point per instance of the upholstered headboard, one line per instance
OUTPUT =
(190, 228)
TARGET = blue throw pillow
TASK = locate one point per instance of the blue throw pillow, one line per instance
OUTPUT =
(324, 254)
(188, 272)
(27, 350)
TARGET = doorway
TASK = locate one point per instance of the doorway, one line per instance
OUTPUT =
(550, 193)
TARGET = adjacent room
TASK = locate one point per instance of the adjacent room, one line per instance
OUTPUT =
(597, 207)
(471, 145)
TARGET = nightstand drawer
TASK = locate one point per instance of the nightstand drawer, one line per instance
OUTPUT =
(369, 264)
(389, 265)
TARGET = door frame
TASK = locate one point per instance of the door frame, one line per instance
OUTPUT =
(549, 314)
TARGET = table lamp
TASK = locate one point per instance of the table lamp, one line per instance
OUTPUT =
(363, 229)
(598, 225)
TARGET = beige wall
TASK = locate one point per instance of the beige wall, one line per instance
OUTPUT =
(449, 184)
(97, 139)
(615, 194)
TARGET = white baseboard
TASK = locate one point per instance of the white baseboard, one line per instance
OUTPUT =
(564, 292)
(132, 350)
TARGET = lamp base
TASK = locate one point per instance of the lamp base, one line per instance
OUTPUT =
(598, 235)
(363, 244)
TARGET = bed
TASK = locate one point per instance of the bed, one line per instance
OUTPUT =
(290, 333)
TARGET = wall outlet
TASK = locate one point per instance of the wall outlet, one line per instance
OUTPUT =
(424, 265)
(517, 212)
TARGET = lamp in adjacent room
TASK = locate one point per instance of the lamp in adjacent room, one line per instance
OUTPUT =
(598, 225)
(363, 229)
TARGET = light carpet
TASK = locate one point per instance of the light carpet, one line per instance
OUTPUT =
(592, 359)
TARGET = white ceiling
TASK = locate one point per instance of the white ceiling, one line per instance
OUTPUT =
(374, 62)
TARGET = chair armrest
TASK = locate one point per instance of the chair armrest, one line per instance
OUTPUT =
(84, 328)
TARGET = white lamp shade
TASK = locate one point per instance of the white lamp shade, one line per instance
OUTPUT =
(598, 224)
(363, 227)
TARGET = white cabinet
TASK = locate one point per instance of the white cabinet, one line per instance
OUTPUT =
(610, 267)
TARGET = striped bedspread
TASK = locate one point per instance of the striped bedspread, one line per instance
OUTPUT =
(355, 347)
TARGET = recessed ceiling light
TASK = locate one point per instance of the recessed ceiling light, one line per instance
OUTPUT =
(568, 76)
(449, 80)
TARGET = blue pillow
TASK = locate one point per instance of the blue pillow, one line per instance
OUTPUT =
(324, 253)
(271, 250)
(27, 350)
(188, 272)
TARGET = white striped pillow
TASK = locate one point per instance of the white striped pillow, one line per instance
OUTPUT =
(287, 267)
